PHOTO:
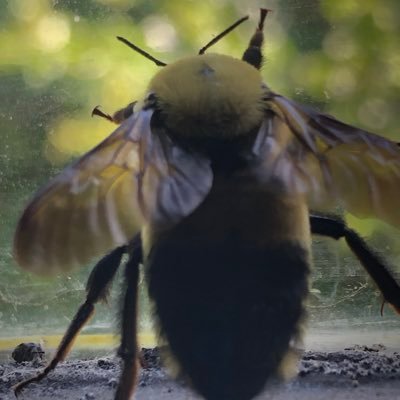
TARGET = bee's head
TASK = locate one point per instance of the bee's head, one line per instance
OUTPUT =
(209, 95)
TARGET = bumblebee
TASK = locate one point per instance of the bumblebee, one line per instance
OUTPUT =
(209, 182)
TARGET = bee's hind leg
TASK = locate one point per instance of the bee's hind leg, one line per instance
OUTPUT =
(336, 228)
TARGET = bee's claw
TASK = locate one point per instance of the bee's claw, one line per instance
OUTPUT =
(96, 111)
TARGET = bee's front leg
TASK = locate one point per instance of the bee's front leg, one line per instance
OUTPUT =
(96, 288)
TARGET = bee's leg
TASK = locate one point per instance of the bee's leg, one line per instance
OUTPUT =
(119, 116)
(98, 113)
(336, 228)
(128, 350)
(97, 287)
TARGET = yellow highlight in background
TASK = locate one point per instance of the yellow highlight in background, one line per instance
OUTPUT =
(86, 342)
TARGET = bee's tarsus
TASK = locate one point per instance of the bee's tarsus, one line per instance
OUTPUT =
(97, 112)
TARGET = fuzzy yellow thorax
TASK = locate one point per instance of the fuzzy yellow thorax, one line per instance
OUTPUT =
(209, 95)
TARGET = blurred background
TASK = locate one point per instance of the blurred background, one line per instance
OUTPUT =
(59, 59)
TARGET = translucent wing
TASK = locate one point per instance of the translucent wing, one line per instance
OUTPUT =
(330, 161)
(99, 202)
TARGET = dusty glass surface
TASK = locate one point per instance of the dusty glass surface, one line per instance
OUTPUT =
(59, 59)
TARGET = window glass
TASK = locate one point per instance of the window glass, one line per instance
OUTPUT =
(60, 59)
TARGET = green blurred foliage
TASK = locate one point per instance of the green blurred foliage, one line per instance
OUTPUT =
(59, 59)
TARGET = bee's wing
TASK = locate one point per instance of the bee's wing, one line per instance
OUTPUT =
(99, 202)
(331, 162)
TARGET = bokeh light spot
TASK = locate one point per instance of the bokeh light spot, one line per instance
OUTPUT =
(52, 33)
(72, 137)
(374, 113)
(385, 19)
(159, 34)
(341, 82)
(339, 45)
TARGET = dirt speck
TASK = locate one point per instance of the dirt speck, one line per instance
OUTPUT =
(28, 352)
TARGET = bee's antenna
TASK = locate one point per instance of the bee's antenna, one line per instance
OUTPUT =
(142, 52)
(222, 34)
(253, 54)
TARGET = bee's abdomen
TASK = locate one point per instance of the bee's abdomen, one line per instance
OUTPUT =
(228, 311)
(229, 308)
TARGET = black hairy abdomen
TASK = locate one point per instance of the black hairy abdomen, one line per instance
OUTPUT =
(228, 308)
